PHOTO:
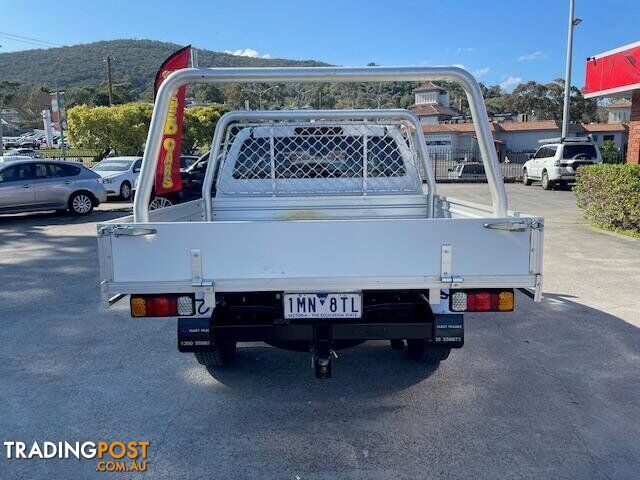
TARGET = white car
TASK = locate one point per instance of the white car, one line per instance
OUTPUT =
(556, 163)
(120, 175)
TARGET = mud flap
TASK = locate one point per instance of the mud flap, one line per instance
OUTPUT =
(448, 330)
(194, 335)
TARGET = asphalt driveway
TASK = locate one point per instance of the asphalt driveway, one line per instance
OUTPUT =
(550, 391)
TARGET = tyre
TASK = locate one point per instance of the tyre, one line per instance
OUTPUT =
(546, 183)
(422, 351)
(81, 203)
(125, 191)
(221, 354)
(525, 178)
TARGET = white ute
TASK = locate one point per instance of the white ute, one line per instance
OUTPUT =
(319, 230)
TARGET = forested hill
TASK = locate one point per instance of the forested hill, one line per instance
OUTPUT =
(134, 62)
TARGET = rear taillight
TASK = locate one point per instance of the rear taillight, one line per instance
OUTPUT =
(494, 300)
(163, 305)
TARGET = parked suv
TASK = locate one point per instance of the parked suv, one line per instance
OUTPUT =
(33, 185)
(557, 163)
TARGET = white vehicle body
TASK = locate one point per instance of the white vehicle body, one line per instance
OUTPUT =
(558, 162)
(320, 201)
(120, 175)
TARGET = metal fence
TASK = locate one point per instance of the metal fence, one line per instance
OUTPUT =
(450, 166)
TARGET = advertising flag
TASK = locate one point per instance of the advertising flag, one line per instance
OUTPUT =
(168, 169)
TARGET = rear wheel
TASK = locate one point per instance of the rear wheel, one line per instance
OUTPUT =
(525, 178)
(423, 351)
(546, 183)
(80, 203)
(221, 354)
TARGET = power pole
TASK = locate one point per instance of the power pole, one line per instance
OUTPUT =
(567, 76)
(1, 145)
(109, 80)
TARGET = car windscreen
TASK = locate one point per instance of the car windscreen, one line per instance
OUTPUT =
(113, 166)
(186, 162)
(579, 151)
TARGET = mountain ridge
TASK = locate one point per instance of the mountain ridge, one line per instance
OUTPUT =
(133, 61)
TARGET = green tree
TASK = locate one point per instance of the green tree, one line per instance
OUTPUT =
(198, 126)
(122, 128)
(208, 94)
(610, 153)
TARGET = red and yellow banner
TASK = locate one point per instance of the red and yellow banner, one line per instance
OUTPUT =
(168, 170)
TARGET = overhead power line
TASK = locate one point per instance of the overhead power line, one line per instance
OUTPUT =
(28, 40)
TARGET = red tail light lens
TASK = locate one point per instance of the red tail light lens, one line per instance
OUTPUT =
(164, 305)
(481, 301)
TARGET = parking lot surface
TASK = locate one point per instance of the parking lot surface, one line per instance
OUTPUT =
(550, 391)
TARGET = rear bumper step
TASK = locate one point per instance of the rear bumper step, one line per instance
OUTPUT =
(198, 334)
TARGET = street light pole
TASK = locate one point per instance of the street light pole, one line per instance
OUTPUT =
(567, 76)
(109, 80)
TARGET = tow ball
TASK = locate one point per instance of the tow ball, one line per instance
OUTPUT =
(322, 365)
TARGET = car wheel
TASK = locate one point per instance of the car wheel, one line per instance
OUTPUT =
(423, 351)
(221, 354)
(81, 203)
(159, 202)
(125, 191)
(546, 183)
(525, 178)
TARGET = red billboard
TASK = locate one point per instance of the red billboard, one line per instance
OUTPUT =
(613, 72)
(168, 169)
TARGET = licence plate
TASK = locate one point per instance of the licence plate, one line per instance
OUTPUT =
(322, 305)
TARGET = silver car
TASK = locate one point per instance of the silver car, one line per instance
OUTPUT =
(49, 185)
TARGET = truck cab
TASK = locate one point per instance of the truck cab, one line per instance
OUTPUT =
(557, 163)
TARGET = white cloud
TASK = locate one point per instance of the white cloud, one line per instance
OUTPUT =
(465, 50)
(510, 82)
(480, 72)
(528, 57)
(247, 52)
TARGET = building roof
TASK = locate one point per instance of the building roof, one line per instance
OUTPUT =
(621, 103)
(453, 127)
(604, 127)
(427, 87)
(523, 127)
(427, 109)
(528, 126)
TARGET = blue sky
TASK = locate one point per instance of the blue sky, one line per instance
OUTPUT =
(501, 41)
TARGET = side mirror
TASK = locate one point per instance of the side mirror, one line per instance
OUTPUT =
(530, 156)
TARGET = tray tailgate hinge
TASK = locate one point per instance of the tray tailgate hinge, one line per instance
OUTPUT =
(196, 270)
(445, 266)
